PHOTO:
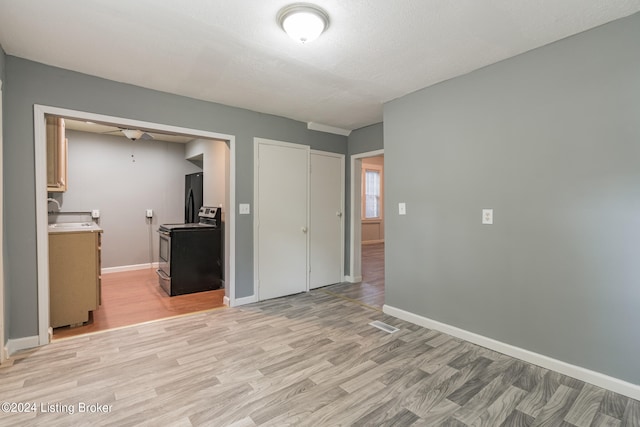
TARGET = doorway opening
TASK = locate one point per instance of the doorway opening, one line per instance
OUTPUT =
(147, 274)
(372, 228)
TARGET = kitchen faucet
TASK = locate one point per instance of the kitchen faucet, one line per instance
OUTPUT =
(56, 202)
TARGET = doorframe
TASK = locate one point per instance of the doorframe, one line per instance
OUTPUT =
(355, 234)
(3, 325)
(342, 218)
(256, 210)
(42, 238)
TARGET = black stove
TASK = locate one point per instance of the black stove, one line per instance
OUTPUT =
(191, 254)
(207, 216)
(190, 226)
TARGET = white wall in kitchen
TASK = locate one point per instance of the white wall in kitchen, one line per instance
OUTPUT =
(123, 178)
(211, 155)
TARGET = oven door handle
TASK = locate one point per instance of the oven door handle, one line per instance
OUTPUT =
(163, 275)
(164, 233)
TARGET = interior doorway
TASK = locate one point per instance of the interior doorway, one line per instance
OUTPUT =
(44, 331)
(101, 158)
(366, 261)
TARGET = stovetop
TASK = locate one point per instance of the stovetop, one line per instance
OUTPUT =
(188, 226)
(208, 216)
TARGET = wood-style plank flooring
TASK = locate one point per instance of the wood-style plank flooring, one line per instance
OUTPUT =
(133, 297)
(370, 290)
(310, 359)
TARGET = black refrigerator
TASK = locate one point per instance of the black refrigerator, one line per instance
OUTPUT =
(192, 197)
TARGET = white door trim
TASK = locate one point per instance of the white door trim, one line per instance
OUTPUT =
(256, 208)
(3, 353)
(42, 243)
(342, 177)
(355, 237)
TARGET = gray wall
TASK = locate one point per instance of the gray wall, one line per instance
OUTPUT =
(123, 178)
(33, 83)
(363, 140)
(551, 141)
(368, 138)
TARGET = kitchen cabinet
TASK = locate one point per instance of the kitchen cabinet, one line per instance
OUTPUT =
(74, 276)
(56, 155)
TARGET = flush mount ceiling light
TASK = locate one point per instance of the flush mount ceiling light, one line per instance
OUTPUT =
(303, 22)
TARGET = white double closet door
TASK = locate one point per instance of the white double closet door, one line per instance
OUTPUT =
(290, 240)
(326, 226)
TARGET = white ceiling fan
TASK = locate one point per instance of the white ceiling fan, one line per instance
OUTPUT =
(132, 134)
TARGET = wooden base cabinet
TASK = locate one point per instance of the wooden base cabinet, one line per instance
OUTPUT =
(74, 276)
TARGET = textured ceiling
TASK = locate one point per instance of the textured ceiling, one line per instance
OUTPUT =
(234, 53)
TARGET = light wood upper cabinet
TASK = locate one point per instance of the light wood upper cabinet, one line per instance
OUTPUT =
(56, 155)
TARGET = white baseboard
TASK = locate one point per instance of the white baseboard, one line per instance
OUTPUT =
(129, 268)
(589, 376)
(226, 301)
(243, 301)
(353, 279)
(17, 344)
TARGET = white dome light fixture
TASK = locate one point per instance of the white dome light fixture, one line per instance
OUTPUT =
(303, 22)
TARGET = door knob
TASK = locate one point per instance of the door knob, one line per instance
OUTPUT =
(304, 229)
(339, 214)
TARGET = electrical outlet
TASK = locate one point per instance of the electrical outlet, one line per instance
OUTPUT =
(95, 214)
(487, 216)
(244, 209)
(149, 213)
(402, 208)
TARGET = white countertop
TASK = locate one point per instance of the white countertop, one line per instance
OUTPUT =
(74, 227)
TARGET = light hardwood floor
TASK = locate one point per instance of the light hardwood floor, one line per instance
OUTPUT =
(370, 290)
(310, 359)
(133, 297)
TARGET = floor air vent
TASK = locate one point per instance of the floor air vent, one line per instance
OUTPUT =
(383, 326)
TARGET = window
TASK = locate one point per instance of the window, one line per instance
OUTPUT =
(371, 192)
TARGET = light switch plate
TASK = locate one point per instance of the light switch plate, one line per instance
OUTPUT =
(244, 209)
(487, 216)
(402, 208)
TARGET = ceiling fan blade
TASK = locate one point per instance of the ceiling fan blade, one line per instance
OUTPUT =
(132, 134)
